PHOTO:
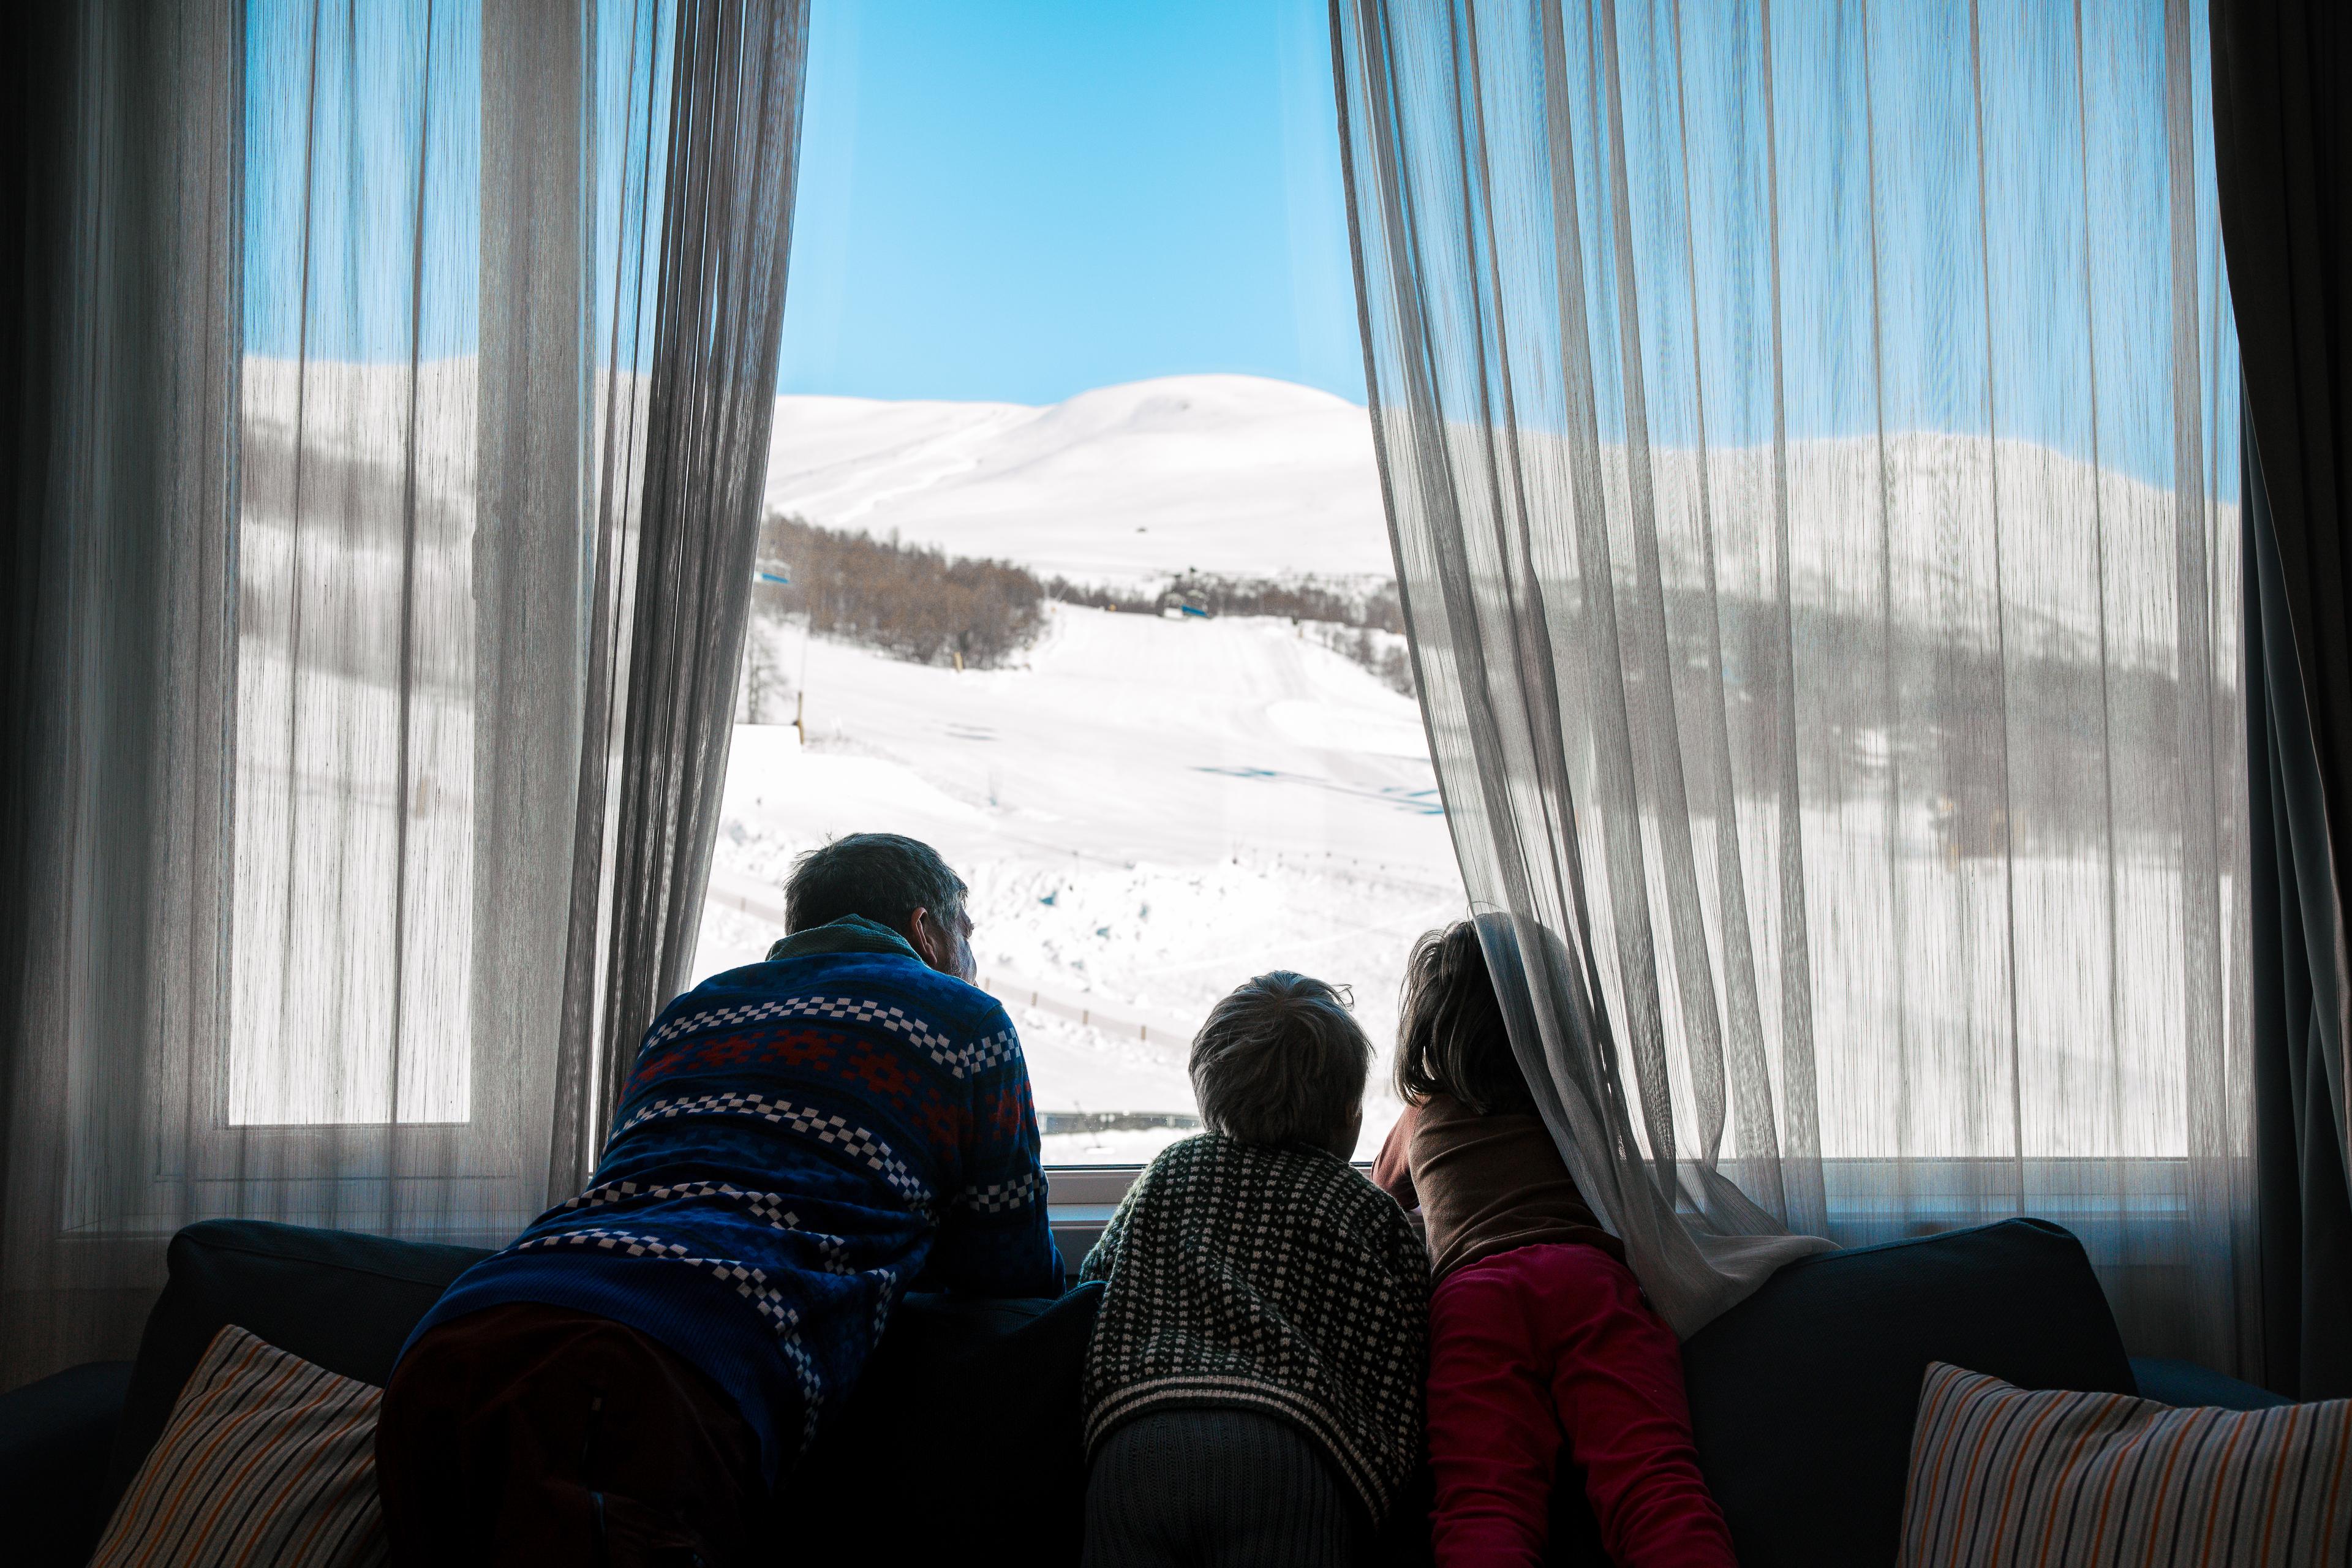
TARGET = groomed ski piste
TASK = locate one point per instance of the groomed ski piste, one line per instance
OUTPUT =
(1149, 811)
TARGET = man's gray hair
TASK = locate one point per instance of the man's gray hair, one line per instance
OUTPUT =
(884, 877)
(1281, 1060)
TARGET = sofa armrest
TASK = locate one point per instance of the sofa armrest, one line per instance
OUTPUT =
(54, 1439)
(2184, 1383)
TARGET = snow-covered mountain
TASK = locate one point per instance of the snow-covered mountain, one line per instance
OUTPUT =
(1230, 474)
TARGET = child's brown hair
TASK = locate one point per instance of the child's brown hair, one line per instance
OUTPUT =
(1451, 1039)
(1281, 1060)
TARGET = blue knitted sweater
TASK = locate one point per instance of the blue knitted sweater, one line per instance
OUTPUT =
(802, 1141)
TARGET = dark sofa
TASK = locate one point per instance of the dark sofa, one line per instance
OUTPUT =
(960, 1445)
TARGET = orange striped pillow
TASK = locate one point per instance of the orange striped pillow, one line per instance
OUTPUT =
(266, 1461)
(2002, 1476)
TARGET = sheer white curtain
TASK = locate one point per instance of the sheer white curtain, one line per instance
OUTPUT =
(1809, 434)
(411, 387)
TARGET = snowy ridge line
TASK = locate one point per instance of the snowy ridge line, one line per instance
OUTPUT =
(1230, 474)
(1082, 1012)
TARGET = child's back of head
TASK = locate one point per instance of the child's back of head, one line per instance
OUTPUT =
(1281, 1061)
(1451, 1037)
(1471, 1150)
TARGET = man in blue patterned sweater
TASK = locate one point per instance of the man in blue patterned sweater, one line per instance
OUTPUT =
(800, 1143)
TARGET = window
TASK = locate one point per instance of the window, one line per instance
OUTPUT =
(410, 579)
(1076, 565)
(355, 796)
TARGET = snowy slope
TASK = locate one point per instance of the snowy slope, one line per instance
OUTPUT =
(1149, 814)
(1228, 474)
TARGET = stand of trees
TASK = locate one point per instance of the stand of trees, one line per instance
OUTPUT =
(919, 605)
(1298, 598)
(926, 606)
(1381, 651)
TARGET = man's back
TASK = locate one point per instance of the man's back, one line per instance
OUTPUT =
(799, 1143)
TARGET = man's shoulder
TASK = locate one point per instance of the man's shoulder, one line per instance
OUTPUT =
(877, 984)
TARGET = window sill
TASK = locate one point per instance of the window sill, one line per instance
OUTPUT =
(1079, 1201)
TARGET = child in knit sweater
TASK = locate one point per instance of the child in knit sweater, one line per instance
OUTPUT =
(1253, 1388)
(1536, 1328)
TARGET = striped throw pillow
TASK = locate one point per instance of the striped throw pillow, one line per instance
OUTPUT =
(2002, 1476)
(266, 1461)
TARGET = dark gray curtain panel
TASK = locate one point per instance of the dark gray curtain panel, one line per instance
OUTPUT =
(403, 374)
(1808, 432)
(119, 655)
(2283, 134)
(2302, 1202)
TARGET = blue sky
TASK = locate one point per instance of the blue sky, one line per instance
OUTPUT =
(1019, 200)
(1014, 200)
(1022, 199)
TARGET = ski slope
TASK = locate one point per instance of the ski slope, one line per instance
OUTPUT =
(1125, 485)
(1149, 814)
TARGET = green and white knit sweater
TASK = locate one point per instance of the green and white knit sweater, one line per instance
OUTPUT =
(1266, 1278)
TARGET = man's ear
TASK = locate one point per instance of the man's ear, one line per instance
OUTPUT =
(923, 933)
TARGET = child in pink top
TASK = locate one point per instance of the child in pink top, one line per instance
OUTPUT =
(1536, 1328)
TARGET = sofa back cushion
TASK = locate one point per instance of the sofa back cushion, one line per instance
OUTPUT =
(1803, 1396)
(336, 1299)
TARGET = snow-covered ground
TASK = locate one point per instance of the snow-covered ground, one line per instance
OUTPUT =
(1148, 813)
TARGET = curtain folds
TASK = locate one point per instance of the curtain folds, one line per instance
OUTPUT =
(683, 585)
(406, 372)
(2285, 140)
(2305, 1206)
(119, 663)
(1810, 441)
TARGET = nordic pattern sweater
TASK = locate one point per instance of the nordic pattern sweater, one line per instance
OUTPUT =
(1277, 1279)
(800, 1143)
